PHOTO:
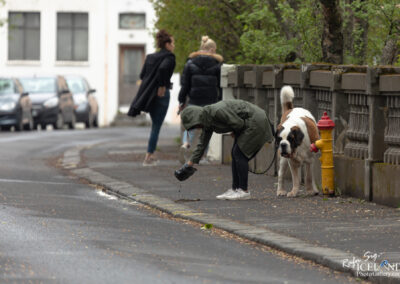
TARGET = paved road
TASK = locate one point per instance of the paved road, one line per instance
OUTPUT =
(55, 229)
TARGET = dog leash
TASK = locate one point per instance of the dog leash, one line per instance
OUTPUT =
(269, 167)
(273, 159)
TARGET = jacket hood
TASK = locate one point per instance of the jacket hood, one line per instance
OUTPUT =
(216, 56)
(192, 116)
(160, 55)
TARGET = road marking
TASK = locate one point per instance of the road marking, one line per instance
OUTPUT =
(33, 181)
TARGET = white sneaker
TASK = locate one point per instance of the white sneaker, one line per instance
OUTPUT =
(239, 194)
(226, 194)
(204, 161)
(150, 163)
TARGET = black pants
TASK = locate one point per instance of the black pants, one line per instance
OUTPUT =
(240, 168)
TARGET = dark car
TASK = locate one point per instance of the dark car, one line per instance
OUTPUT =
(15, 106)
(52, 102)
(86, 106)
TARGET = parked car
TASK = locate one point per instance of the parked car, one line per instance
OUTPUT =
(86, 106)
(52, 102)
(15, 105)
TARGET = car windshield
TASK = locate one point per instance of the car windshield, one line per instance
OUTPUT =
(6, 87)
(39, 85)
(76, 85)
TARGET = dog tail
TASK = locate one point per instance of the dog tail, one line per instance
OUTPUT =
(287, 95)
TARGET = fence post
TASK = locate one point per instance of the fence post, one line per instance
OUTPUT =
(377, 125)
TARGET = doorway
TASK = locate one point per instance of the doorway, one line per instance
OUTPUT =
(131, 59)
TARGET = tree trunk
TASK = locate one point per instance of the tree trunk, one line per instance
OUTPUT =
(273, 5)
(348, 27)
(332, 37)
(391, 51)
(361, 41)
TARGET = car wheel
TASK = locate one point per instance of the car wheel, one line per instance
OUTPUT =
(59, 124)
(71, 124)
(89, 121)
(6, 128)
(29, 126)
(19, 126)
(95, 121)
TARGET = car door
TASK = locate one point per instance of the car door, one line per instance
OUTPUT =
(66, 99)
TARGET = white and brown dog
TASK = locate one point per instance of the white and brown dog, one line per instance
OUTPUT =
(294, 135)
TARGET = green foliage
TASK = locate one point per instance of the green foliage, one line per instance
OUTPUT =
(2, 3)
(188, 20)
(207, 227)
(265, 32)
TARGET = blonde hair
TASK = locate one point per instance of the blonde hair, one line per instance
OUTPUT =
(207, 43)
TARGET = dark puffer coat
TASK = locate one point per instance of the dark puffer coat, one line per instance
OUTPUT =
(201, 79)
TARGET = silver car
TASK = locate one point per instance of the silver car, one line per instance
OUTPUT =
(86, 106)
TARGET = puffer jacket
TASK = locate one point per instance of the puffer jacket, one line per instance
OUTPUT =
(249, 123)
(200, 79)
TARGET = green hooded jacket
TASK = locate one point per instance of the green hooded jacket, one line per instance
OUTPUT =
(249, 123)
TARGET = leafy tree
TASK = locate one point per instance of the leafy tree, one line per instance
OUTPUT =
(2, 3)
(188, 20)
(275, 31)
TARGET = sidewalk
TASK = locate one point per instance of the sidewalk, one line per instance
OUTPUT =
(344, 224)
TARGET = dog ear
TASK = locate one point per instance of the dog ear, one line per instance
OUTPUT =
(276, 134)
(297, 135)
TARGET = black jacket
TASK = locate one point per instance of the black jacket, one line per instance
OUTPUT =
(156, 72)
(201, 79)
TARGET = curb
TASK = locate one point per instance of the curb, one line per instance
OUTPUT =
(331, 258)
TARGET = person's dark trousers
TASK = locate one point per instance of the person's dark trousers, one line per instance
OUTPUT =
(158, 111)
(240, 168)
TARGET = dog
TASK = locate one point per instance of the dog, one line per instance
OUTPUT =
(294, 135)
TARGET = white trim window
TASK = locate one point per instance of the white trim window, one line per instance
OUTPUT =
(24, 36)
(72, 37)
(132, 21)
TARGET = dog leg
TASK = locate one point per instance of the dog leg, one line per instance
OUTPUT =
(283, 164)
(294, 168)
(310, 184)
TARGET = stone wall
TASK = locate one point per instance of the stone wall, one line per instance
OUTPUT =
(364, 103)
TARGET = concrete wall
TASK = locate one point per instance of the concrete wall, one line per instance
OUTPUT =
(105, 37)
(364, 103)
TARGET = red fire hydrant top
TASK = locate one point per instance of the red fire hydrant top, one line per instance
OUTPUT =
(325, 122)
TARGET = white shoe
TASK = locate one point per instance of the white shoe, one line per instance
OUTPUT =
(239, 194)
(226, 194)
(204, 161)
(150, 163)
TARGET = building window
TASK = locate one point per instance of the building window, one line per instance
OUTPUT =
(72, 36)
(129, 21)
(24, 36)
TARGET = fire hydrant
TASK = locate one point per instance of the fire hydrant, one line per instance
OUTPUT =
(326, 125)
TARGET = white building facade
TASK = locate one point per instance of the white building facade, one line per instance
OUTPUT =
(105, 41)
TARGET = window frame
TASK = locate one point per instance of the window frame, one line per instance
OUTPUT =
(25, 28)
(72, 58)
(129, 13)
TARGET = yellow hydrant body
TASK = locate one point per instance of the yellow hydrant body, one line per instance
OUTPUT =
(325, 145)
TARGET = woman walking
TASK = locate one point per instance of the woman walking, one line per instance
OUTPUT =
(153, 95)
(200, 84)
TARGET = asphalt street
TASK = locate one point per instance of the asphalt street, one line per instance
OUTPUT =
(57, 229)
